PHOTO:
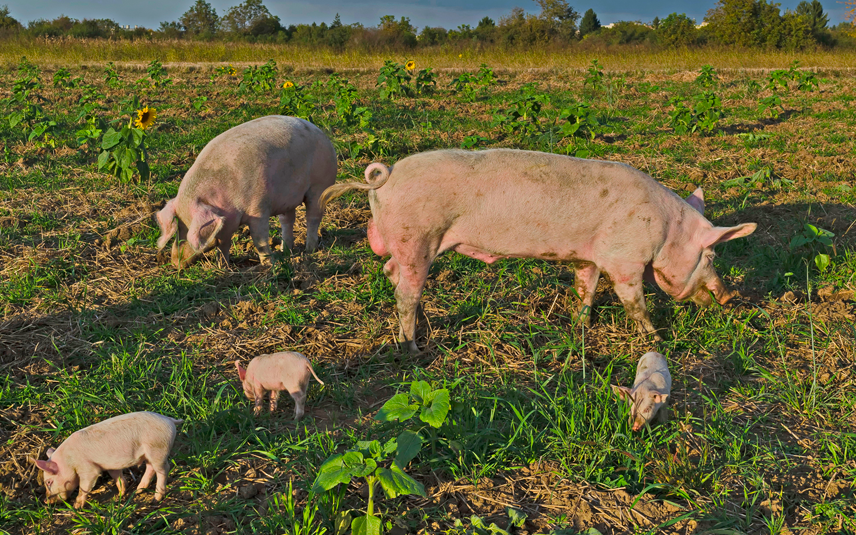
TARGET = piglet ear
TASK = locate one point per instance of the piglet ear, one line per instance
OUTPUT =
(622, 392)
(242, 373)
(718, 235)
(696, 200)
(202, 232)
(167, 224)
(48, 466)
(50, 452)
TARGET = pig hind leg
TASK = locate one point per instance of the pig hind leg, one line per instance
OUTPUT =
(286, 221)
(408, 293)
(161, 470)
(147, 477)
(629, 288)
(313, 220)
(585, 282)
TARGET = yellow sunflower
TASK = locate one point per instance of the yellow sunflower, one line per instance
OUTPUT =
(232, 71)
(145, 118)
(410, 65)
(288, 84)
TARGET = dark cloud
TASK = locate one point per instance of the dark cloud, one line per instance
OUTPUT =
(445, 13)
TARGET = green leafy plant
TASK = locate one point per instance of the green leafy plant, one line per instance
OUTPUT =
(578, 120)
(707, 77)
(426, 81)
(295, 100)
(471, 86)
(21, 106)
(394, 81)
(703, 116)
(516, 519)
(594, 77)
(812, 236)
(771, 104)
(522, 117)
(199, 102)
(124, 150)
(224, 71)
(111, 75)
(758, 179)
(779, 78)
(470, 142)
(259, 78)
(62, 79)
(157, 74)
(346, 100)
(752, 87)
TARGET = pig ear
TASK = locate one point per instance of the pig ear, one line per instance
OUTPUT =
(242, 373)
(696, 200)
(622, 392)
(48, 466)
(202, 234)
(50, 452)
(718, 235)
(167, 224)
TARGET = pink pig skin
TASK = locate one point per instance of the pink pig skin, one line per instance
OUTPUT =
(287, 370)
(503, 203)
(649, 396)
(264, 167)
(112, 445)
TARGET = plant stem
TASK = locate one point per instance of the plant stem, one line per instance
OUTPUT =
(370, 506)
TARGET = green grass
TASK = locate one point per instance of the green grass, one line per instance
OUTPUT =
(761, 435)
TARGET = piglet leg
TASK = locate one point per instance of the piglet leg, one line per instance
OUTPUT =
(120, 481)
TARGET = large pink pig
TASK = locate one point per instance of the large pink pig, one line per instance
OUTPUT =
(264, 167)
(503, 203)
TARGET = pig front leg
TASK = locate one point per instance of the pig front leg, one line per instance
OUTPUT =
(286, 221)
(259, 395)
(629, 288)
(88, 477)
(274, 398)
(260, 232)
(313, 221)
(299, 398)
(119, 479)
(585, 282)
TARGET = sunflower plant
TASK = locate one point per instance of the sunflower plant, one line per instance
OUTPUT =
(394, 79)
(125, 149)
(295, 101)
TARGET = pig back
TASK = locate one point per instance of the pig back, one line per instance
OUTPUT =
(121, 441)
(269, 160)
(526, 203)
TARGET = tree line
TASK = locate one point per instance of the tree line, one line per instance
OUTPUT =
(742, 23)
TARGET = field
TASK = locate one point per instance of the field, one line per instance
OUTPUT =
(96, 322)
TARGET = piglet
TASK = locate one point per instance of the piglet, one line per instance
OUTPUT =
(650, 393)
(287, 370)
(112, 445)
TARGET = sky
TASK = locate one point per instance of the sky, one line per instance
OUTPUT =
(445, 13)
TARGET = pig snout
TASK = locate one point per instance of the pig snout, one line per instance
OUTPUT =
(720, 293)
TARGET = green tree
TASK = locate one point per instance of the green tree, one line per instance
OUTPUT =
(242, 18)
(486, 30)
(201, 19)
(589, 23)
(734, 22)
(7, 22)
(560, 16)
(816, 18)
(677, 30)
